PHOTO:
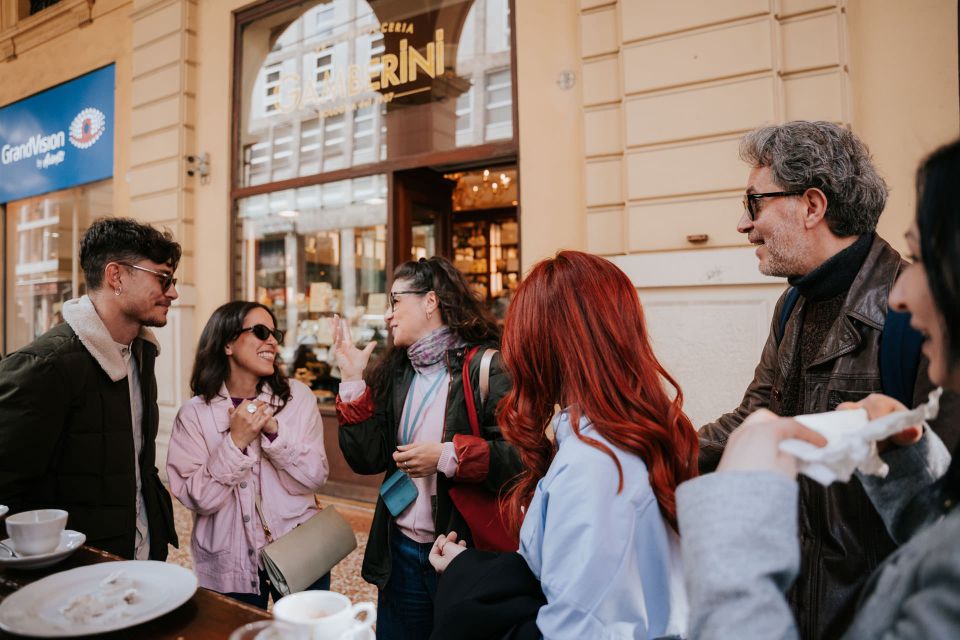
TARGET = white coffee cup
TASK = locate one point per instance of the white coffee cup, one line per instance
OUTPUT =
(330, 615)
(35, 532)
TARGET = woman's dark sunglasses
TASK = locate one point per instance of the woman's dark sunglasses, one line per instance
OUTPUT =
(263, 332)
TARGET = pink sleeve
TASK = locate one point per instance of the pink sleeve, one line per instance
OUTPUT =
(350, 391)
(448, 462)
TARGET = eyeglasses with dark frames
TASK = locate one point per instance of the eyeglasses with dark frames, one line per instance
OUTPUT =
(394, 294)
(165, 277)
(750, 200)
(263, 332)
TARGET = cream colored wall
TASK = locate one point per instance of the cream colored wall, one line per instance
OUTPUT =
(550, 129)
(212, 200)
(905, 88)
(669, 88)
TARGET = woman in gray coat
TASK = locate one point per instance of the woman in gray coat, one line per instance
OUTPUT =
(739, 526)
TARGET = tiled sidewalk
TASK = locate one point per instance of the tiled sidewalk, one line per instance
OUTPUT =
(346, 575)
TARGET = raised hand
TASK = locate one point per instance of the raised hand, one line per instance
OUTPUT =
(245, 426)
(351, 360)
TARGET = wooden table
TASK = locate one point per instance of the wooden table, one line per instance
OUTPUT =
(205, 615)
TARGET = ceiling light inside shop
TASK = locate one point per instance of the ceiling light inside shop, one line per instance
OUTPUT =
(288, 213)
(375, 200)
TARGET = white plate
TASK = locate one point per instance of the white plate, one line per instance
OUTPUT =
(70, 541)
(36, 609)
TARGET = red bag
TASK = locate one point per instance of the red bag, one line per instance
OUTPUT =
(479, 507)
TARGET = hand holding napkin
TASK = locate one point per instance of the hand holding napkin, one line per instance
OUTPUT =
(852, 440)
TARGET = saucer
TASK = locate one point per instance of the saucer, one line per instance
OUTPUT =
(70, 541)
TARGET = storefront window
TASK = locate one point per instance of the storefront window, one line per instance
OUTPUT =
(343, 85)
(359, 89)
(313, 252)
(43, 263)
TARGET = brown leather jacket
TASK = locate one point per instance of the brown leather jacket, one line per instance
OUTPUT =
(842, 539)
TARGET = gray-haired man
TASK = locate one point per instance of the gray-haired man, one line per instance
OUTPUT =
(811, 207)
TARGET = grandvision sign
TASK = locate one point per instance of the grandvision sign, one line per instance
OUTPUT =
(58, 138)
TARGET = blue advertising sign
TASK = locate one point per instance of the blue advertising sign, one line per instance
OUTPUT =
(58, 138)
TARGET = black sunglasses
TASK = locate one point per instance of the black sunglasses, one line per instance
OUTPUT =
(263, 332)
(165, 277)
(751, 199)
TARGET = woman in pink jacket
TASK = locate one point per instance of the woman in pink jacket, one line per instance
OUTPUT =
(247, 431)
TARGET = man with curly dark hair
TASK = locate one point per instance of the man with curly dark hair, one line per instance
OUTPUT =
(78, 406)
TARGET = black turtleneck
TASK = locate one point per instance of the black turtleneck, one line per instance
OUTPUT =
(824, 290)
(837, 272)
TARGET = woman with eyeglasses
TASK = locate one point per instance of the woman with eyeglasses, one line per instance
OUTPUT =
(248, 435)
(409, 417)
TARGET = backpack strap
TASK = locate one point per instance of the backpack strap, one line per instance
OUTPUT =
(899, 357)
(473, 412)
(789, 302)
(485, 375)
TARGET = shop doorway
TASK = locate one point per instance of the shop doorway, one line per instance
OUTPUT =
(469, 216)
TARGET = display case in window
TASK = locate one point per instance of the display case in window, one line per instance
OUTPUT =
(486, 251)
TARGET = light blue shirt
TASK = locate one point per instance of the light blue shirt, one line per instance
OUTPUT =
(608, 563)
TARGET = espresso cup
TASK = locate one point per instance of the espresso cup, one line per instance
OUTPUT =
(328, 614)
(36, 532)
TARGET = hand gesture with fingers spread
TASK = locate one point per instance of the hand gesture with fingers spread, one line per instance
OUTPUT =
(755, 445)
(351, 360)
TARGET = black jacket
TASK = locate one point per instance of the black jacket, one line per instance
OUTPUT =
(484, 595)
(66, 442)
(368, 447)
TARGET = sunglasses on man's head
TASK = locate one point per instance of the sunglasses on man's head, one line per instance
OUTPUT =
(263, 332)
(165, 277)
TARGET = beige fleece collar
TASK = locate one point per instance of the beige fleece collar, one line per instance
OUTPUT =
(83, 318)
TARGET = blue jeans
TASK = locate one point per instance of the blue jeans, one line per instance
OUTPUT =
(267, 589)
(405, 605)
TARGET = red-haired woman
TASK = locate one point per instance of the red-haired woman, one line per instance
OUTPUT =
(599, 527)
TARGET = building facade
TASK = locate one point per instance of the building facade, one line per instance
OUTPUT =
(300, 150)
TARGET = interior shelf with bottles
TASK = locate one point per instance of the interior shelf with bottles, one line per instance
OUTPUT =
(486, 251)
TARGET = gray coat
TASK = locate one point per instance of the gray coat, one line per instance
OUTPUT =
(739, 540)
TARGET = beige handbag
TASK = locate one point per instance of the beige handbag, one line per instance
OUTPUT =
(307, 552)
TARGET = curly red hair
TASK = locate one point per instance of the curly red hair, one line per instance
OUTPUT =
(575, 337)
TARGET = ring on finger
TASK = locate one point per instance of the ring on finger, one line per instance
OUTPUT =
(252, 407)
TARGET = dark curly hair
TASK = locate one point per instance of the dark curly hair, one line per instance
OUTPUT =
(211, 365)
(460, 309)
(123, 240)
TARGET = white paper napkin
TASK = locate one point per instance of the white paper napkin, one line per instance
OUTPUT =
(852, 440)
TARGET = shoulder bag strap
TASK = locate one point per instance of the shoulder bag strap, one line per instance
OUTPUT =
(263, 521)
(468, 393)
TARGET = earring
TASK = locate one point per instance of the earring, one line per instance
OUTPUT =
(117, 291)
(429, 314)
